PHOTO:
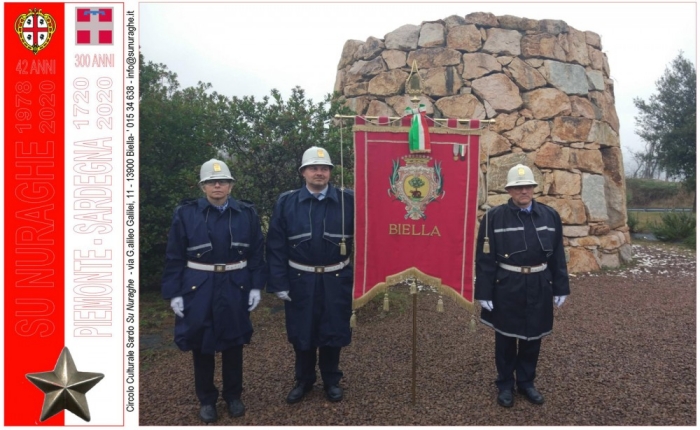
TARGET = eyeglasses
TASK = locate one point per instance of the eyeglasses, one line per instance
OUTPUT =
(218, 181)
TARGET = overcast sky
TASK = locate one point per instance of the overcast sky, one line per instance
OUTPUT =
(250, 48)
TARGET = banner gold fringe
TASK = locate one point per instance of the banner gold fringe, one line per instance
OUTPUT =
(423, 278)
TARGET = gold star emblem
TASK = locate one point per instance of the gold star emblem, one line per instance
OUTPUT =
(65, 387)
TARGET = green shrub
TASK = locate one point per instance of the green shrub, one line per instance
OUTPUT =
(675, 227)
(633, 222)
(689, 241)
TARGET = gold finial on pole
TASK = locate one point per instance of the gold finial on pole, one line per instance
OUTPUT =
(414, 84)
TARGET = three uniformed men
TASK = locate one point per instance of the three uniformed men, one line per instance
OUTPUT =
(215, 270)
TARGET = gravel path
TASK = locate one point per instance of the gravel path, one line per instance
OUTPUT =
(623, 352)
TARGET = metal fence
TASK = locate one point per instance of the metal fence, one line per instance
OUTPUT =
(659, 209)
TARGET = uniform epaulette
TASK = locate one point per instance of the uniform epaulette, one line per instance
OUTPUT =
(187, 201)
(288, 192)
(184, 202)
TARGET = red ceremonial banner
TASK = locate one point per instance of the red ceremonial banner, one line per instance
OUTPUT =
(415, 214)
(34, 203)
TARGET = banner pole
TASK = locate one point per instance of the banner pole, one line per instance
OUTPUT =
(414, 293)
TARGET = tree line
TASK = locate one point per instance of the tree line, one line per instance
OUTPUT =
(262, 142)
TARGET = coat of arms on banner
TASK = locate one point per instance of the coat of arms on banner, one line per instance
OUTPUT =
(35, 29)
(416, 184)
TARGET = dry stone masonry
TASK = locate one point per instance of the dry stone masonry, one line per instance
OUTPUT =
(547, 86)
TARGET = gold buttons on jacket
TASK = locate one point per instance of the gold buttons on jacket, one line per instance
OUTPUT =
(194, 287)
(506, 255)
(199, 255)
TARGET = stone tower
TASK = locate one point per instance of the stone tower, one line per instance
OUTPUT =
(548, 88)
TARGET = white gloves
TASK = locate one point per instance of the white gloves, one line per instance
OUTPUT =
(486, 304)
(559, 300)
(253, 299)
(178, 306)
(284, 295)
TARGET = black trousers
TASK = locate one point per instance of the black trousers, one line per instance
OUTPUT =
(328, 360)
(231, 372)
(519, 356)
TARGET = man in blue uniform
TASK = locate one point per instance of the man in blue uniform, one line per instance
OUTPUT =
(308, 247)
(520, 271)
(213, 276)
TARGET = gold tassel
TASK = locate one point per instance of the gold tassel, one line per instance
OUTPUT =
(353, 320)
(343, 249)
(472, 324)
(386, 302)
(487, 247)
(440, 307)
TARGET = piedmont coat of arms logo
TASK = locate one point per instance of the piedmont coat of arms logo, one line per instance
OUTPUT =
(416, 184)
(35, 29)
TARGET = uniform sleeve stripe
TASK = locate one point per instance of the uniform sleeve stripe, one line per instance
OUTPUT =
(503, 230)
(194, 248)
(298, 236)
(338, 235)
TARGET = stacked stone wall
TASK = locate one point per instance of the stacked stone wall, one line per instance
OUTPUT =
(546, 84)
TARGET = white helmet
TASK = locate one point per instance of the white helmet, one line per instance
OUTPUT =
(520, 175)
(315, 156)
(214, 169)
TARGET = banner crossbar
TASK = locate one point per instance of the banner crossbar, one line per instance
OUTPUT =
(393, 118)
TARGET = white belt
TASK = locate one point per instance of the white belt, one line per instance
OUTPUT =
(524, 269)
(319, 269)
(217, 267)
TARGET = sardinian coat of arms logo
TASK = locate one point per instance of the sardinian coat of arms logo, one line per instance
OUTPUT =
(35, 29)
(416, 184)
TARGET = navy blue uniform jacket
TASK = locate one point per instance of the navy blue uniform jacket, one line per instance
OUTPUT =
(216, 304)
(308, 231)
(522, 303)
